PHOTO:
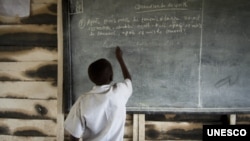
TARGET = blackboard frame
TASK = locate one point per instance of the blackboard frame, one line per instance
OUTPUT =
(68, 83)
(67, 61)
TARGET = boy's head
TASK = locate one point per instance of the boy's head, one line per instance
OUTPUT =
(100, 72)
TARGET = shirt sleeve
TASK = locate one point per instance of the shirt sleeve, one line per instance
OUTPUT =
(128, 83)
(125, 88)
(74, 123)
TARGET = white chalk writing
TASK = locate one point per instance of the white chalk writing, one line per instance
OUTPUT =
(134, 26)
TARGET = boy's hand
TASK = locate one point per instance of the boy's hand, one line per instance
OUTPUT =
(125, 71)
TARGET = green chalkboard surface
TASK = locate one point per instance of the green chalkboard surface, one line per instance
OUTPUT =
(183, 55)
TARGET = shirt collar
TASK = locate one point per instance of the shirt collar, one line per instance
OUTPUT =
(100, 89)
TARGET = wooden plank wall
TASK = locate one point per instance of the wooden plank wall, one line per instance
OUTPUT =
(181, 126)
(29, 87)
(28, 74)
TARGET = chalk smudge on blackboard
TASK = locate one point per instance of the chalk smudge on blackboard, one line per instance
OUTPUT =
(230, 80)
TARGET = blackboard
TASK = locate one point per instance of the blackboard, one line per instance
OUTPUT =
(184, 55)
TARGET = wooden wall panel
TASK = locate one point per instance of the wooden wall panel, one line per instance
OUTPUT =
(28, 108)
(36, 90)
(28, 35)
(28, 74)
(178, 126)
(27, 138)
(41, 12)
(128, 133)
(25, 54)
(30, 127)
(27, 71)
(44, 1)
(243, 119)
(31, 28)
(126, 139)
(173, 130)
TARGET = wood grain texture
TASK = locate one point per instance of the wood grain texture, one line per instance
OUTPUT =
(29, 28)
(20, 138)
(21, 127)
(128, 131)
(243, 119)
(136, 127)
(28, 109)
(28, 35)
(28, 74)
(14, 49)
(173, 131)
(40, 13)
(28, 71)
(44, 1)
(27, 54)
(60, 82)
(179, 126)
(28, 90)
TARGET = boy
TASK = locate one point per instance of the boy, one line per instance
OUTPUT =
(100, 114)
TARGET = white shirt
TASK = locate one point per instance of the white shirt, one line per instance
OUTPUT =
(100, 114)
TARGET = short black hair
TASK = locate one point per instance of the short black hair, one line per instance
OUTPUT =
(100, 72)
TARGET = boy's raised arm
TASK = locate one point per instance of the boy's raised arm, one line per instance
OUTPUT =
(123, 66)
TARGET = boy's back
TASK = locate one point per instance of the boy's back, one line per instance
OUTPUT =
(103, 109)
(99, 115)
